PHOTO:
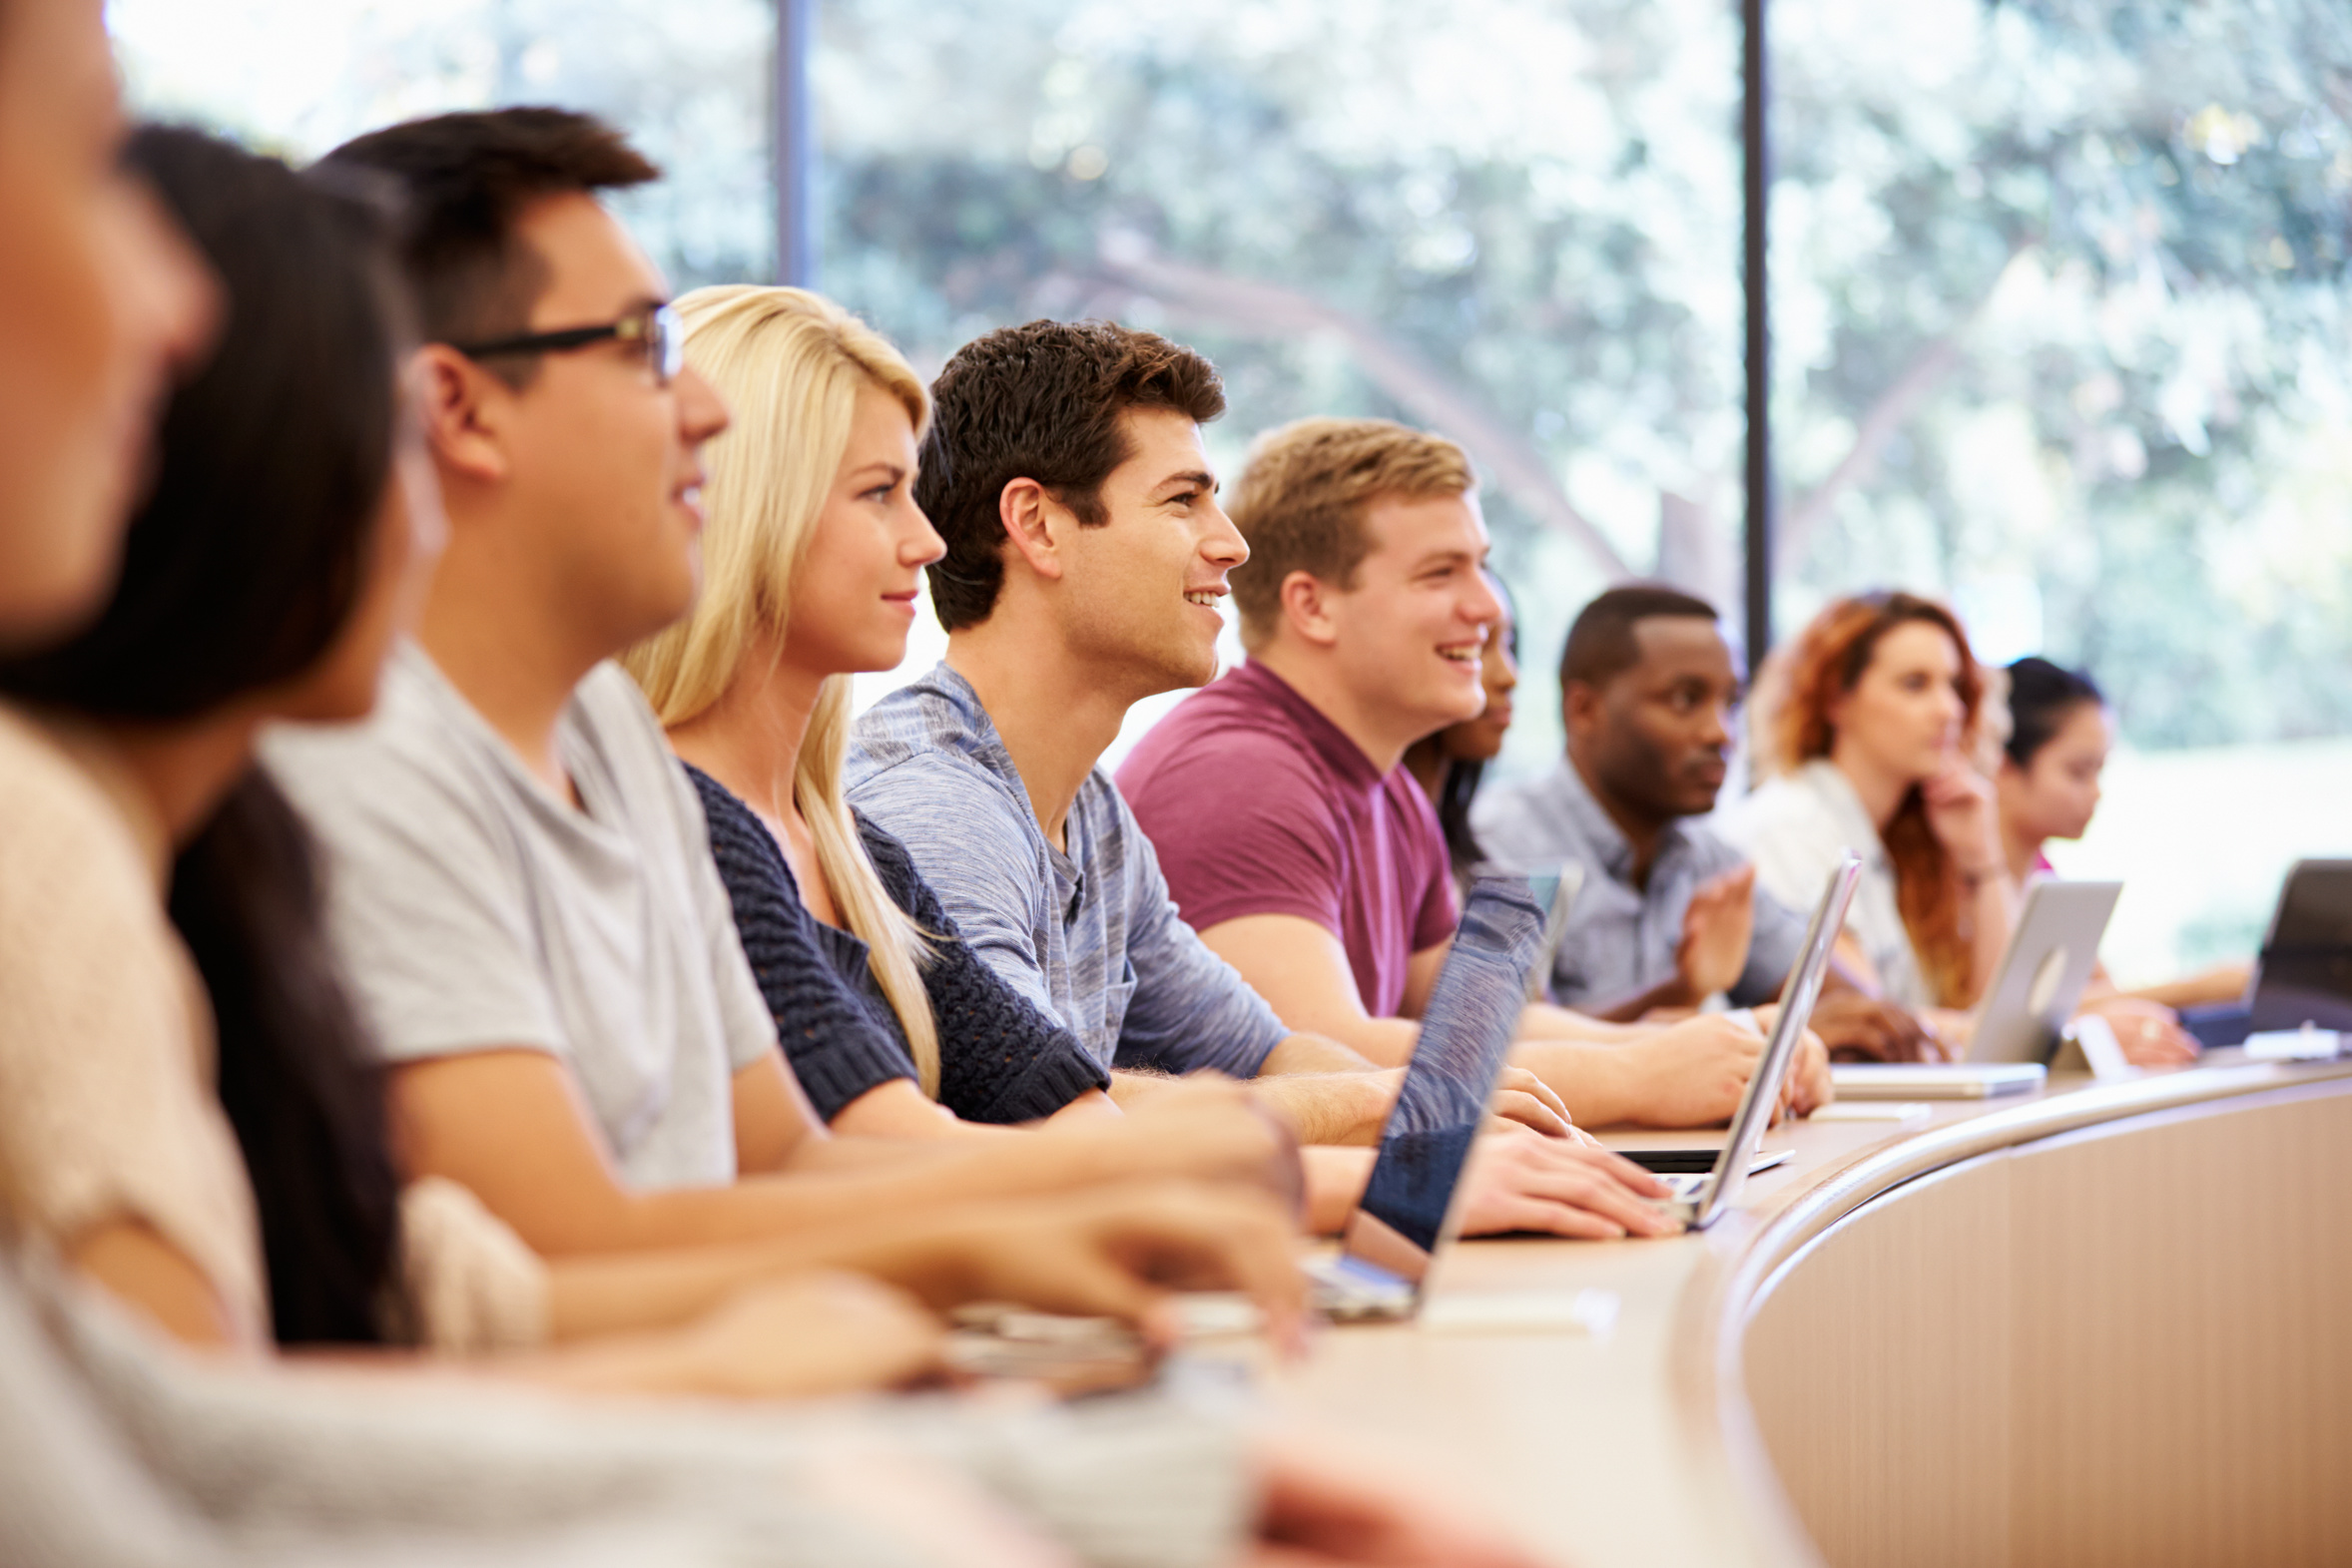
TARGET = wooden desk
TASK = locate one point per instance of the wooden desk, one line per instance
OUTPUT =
(2109, 1324)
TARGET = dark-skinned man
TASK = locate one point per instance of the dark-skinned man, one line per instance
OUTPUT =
(1670, 914)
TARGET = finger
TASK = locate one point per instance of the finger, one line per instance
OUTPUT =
(1590, 1194)
(1528, 1111)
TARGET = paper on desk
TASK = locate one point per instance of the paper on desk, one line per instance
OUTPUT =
(1870, 1111)
(1520, 1311)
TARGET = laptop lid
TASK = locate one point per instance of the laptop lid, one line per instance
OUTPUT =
(2053, 949)
(1796, 997)
(2304, 973)
(1408, 1205)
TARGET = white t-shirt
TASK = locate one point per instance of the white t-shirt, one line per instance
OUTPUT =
(473, 909)
(1794, 829)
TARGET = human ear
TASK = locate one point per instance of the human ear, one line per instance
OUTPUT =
(463, 411)
(1028, 513)
(1580, 710)
(1306, 609)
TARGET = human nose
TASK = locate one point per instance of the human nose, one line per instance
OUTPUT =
(702, 412)
(920, 544)
(170, 300)
(1223, 545)
(1717, 730)
(1484, 606)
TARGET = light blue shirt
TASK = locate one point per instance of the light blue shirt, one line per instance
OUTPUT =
(1621, 939)
(1091, 935)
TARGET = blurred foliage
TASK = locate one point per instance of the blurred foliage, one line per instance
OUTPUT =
(2060, 295)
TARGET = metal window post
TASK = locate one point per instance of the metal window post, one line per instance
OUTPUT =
(1757, 171)
(794, 144)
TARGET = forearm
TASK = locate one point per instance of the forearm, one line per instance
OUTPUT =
(1543, 1021)
(1328, 1108)
(1334, 1185)
(1600, 1084)
(1674, 992)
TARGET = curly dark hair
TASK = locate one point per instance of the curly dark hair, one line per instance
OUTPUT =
(1041, 402)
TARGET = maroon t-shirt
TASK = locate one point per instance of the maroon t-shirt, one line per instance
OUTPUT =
(1258, 804)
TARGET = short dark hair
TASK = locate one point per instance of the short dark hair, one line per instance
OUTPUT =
(2042, 697)
(466, 180)
(1043, 402)
(1601, 645)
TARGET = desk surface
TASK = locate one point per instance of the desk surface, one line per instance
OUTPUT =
(1634, 1445)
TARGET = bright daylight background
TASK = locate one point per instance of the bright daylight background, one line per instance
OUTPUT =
(2061, 299)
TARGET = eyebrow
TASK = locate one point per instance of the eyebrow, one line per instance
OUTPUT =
(1199, 477)
(895, 470)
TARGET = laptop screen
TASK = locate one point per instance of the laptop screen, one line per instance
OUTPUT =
(1466, 1032)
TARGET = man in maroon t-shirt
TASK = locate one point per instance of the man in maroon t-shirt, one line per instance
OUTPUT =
(1288, 835)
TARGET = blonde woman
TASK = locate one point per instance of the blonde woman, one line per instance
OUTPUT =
(813, 555)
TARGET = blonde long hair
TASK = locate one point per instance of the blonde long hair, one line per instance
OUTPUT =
(790, 364)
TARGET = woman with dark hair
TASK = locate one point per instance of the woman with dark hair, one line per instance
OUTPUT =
(1863, 731)
(2049, 787)
(1451, 764)
(283, 547)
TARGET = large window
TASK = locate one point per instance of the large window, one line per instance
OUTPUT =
(2063, 331)
(2060, 303)
(1515, 220)
(688, 80)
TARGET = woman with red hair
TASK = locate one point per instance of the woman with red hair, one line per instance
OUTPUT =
(1863, 730)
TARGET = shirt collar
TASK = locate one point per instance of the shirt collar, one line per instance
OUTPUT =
(1340, 753)
(1599, 830)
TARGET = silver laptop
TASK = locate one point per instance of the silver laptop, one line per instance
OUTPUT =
(2051, 952)
(1701, 1198)
(2039, 982)
(1411, 1206)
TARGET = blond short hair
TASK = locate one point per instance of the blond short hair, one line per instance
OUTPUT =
(1301, 497)
(791, 365)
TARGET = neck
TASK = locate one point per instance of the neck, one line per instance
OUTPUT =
(1425, 759)
(184, 771)
(750, 739)
(1641, 830)
(1055, 715)
(1880, 789)
(1380, 735)
(513, 661)
(2023, 850)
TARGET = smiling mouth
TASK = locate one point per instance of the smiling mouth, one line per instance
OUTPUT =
(1462, 654)
(1203, 597)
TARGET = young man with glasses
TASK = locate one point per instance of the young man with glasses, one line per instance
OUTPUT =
(521, 889)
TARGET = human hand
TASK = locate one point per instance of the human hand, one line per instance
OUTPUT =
(2148, 1033)
(1691, 1074)
(804, 1337)
(1119, 1251)
(1523, 1100)
(1716, 930)
(1805, 1087)
(1965, 816)
(1202, 1128)
(1317, 1510)
(1860, 1028)
(1560, 1187)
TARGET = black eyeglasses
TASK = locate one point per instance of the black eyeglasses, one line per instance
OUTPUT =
(656, 327)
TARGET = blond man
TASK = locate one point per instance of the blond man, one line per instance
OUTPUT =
(1289, 836)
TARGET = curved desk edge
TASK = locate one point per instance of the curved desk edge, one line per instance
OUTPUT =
(1710, 1383)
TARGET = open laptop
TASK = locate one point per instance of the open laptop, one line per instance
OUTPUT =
(1411, 1206)
(2049, 961)
(2303, 974)
(1700, 1198)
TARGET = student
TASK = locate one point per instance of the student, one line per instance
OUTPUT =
(2049, 787)
(113, 1451)
(1085, 556)
(1450, 765)
(277, 552)
(520, 885)
(99, 301)
(1293, 840)
(1863, 729)
(814, 551)
(1670, 914)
